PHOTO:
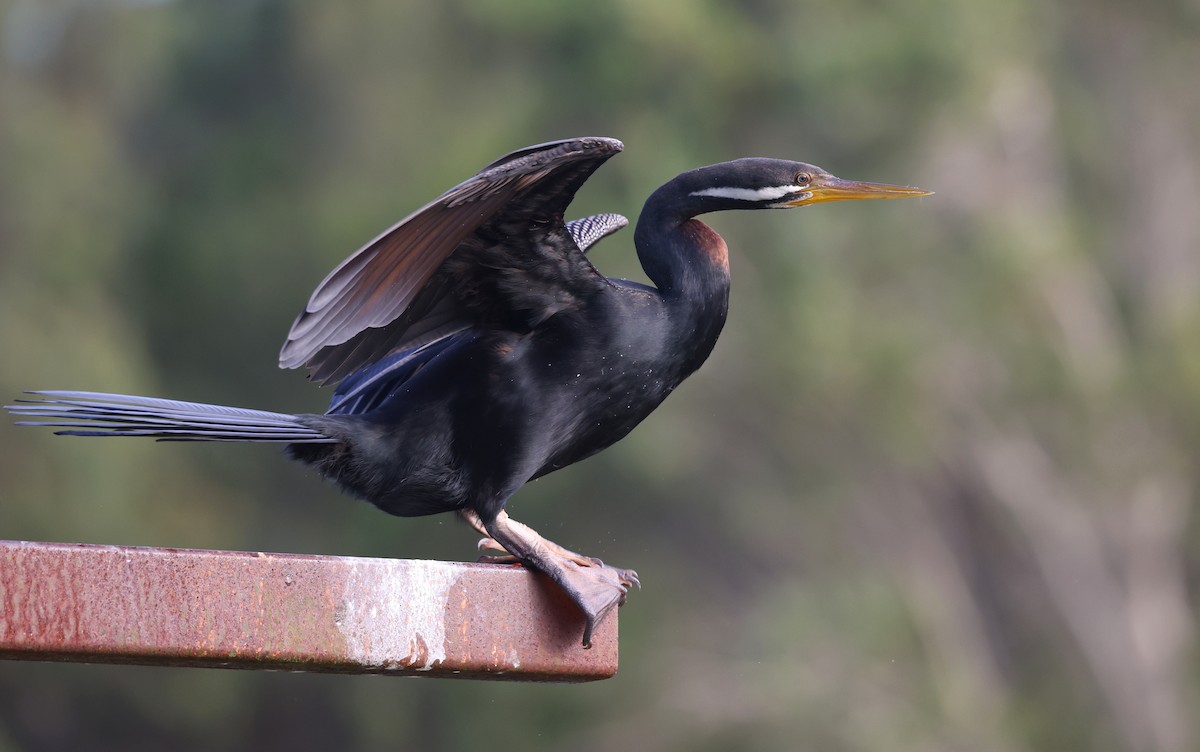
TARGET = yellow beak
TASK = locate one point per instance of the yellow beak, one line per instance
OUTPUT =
(829, 188)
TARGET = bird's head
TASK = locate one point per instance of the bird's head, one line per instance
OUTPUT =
(759, 183)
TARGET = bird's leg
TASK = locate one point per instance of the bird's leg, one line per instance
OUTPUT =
(487, 542)
(596, 587)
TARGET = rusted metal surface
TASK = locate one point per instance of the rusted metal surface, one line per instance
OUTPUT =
(120, 604)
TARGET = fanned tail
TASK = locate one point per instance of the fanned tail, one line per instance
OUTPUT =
(100, 414)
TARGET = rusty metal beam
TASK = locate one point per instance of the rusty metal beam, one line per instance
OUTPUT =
(175, 607)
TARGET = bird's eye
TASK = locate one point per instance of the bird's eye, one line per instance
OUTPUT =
(803, 178)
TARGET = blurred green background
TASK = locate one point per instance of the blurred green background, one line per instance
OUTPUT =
(935, 489)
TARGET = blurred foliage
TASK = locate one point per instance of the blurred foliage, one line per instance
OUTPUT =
(935, 490)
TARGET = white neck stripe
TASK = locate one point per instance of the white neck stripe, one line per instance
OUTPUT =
(749, 194)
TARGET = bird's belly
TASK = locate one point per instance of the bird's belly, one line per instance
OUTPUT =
(404, 463)
(597, 419)
(470, 430)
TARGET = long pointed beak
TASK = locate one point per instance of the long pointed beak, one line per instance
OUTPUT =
(829, 188)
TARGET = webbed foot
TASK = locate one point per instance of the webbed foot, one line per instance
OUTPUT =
(594, 586)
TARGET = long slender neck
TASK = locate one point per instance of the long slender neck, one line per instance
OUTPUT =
(689, 264)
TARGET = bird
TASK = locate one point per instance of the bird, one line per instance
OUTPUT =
(474, 347)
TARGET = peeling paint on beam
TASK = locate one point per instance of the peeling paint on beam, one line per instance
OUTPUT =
(228, 609)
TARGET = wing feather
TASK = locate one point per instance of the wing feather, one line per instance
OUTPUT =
(368, 304)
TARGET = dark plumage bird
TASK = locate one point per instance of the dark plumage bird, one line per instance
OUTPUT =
(475, 348)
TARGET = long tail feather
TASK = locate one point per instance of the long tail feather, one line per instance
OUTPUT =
(100, 414)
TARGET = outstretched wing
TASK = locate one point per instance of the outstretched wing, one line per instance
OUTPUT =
(385, 296)
(367, 388)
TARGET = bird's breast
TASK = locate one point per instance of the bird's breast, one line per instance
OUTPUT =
(708, 242)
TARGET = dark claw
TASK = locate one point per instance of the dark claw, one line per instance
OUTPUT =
(598, 590)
